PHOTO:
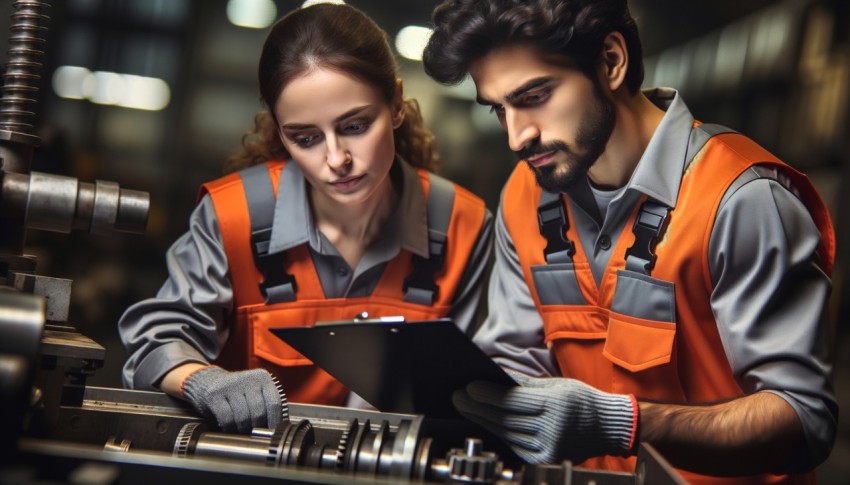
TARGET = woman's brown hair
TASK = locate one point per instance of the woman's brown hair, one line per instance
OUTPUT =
(341, 38)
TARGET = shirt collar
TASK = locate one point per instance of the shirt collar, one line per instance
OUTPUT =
(293, 220)
(659, 172)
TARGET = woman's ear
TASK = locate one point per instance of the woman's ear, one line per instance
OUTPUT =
(615, 59)
(398, 104)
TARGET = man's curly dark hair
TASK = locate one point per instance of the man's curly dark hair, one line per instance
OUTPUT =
(467, 30)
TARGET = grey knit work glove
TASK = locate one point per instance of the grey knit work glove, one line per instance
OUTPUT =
(237, 401)
(546, 420)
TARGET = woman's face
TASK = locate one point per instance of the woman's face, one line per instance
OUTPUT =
(339, 131)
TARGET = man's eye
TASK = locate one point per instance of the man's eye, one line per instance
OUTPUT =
(498, 109)
(535, 97)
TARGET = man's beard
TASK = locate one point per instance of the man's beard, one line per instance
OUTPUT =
(591, 139)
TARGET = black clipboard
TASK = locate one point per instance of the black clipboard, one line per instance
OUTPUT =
(410, 367)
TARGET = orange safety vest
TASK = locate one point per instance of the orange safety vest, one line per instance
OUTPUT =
(680, 361)
(250, 344)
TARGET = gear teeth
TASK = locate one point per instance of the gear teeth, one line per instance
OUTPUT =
(184, 439)
(276, 442)
(342, 447)
(284, 403)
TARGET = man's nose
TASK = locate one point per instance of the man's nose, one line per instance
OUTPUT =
(521, 129)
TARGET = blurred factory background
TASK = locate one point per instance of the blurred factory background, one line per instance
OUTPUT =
(155, 95)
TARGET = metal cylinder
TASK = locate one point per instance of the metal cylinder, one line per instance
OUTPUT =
(51, 202)
(237, 447)
(59, 204)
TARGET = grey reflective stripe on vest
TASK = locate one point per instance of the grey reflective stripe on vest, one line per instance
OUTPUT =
(700, 136)
(420, 286)
(759, 172)
(277, 285)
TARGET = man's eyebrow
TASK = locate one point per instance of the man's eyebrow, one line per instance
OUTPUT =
(513, 95)
(349, 113)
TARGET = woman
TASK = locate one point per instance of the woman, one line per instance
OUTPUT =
(332, 213)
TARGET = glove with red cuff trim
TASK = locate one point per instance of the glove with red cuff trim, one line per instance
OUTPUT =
(546, 420)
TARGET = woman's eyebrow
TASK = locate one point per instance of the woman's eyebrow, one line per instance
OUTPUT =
(347, 114)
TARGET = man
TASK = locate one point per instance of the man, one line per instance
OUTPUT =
(672, 275)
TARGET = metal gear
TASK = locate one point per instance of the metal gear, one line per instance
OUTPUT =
(186, 439)
(342, 446)
(284, 403)
(276, 442)
(472, 464)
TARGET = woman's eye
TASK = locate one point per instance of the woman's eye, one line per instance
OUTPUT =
(305, 140)
(355, 128)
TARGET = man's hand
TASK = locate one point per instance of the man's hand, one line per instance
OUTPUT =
(552, 419)
(237, 401)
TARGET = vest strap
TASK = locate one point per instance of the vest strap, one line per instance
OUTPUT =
(554, 223)
(277, 285)
(420, 286)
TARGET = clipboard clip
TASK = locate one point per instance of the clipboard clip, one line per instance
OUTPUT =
(363, 317)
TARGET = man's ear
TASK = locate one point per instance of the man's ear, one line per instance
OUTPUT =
(398, 104)
(615, 59)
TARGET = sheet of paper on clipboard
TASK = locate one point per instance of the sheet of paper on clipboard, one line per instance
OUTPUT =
(410, 367)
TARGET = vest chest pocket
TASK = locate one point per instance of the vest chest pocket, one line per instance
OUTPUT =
(557, 284)
(642, 322)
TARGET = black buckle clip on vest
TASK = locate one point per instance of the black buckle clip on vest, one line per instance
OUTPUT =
(553, 222)
(420, 286)
(649, 225)
(277, 285)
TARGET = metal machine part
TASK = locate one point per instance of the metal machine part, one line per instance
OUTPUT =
(40, 200)
(21, 322)
(358, 449)
(28, 302)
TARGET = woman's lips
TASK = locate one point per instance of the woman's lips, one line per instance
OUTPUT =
(347, 183)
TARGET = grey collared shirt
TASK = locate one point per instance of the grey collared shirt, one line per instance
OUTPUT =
(768, 295)
(186, 321)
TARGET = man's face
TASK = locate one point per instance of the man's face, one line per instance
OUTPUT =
(558, 121)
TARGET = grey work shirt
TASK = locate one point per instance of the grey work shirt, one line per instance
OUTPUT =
(768, 297)
(186, 321)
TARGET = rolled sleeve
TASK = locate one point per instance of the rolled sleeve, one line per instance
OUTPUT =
(184, 322)
(769, 297)
(513, 334)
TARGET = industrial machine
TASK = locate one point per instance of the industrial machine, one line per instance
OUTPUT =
(56, 429)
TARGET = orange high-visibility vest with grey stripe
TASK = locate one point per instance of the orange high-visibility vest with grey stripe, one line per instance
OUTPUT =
(250, 344)
(680, 358)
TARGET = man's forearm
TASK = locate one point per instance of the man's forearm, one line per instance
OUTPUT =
(753, 434)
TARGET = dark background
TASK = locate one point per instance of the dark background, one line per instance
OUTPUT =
(778, 71)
